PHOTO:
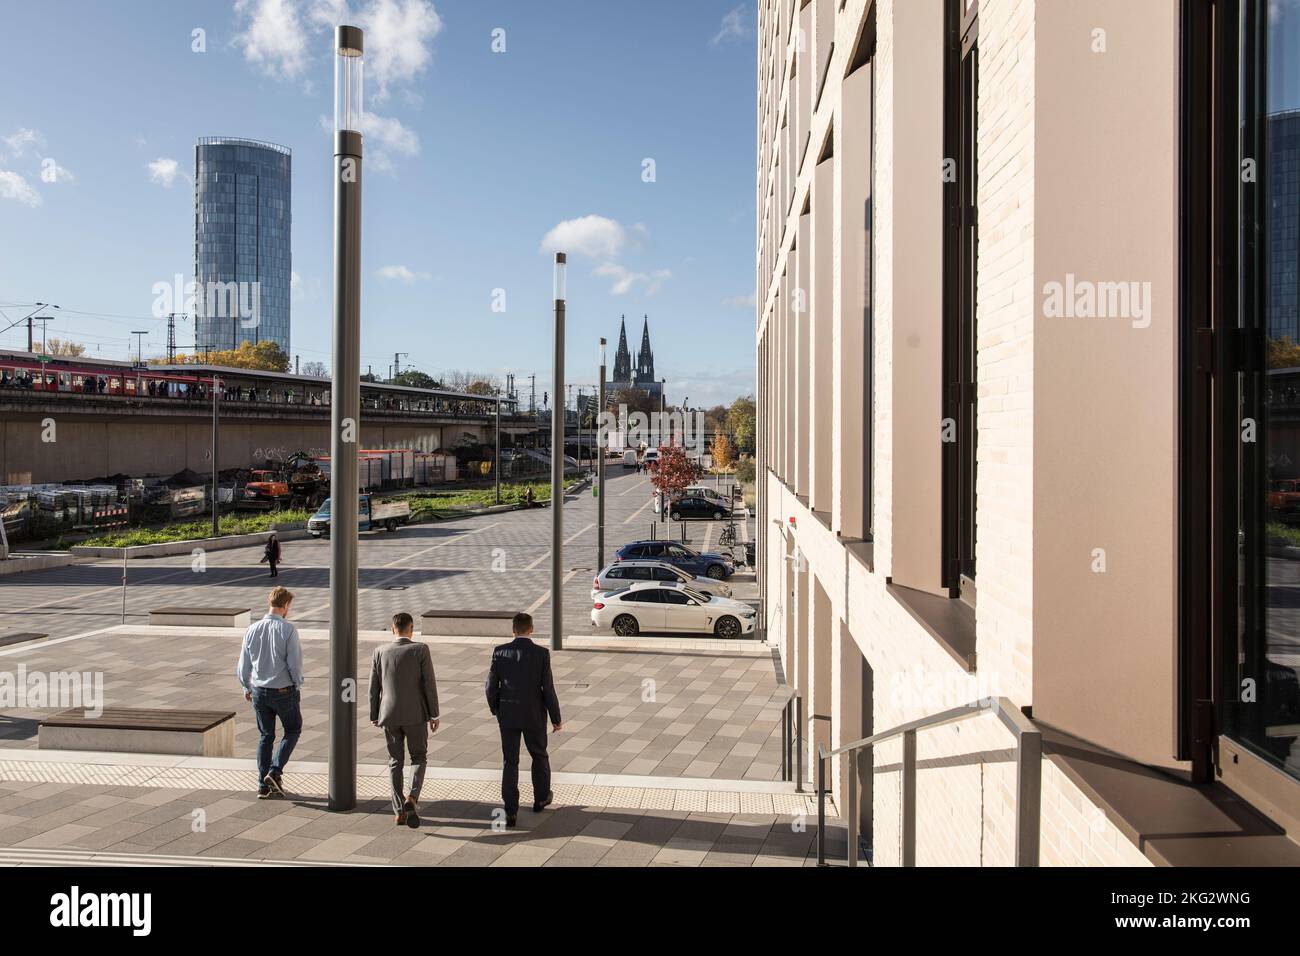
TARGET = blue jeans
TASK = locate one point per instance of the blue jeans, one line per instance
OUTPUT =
(268, 704)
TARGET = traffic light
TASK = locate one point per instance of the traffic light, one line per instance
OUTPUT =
(544, 398)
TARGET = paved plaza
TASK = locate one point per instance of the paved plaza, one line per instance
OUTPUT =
(670, 753)
(499, 561)
(652, 712)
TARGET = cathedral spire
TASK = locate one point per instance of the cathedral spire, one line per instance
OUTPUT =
(622, 357)
(645, 360)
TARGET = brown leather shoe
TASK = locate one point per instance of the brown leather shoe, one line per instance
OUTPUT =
(401, 818)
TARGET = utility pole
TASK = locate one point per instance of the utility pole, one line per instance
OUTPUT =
(139, 347)
(397, 362)
(171, 338)
(532, 393)
(602, 439)
(496, 466)
(44, 320)
(345, 419)
(557, 464)
(216, 485)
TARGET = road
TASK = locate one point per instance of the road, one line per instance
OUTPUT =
(497, 562)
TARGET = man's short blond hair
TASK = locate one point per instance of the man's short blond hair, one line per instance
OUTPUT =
(280, 597)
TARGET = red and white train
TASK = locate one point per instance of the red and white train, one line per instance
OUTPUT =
(26, 371)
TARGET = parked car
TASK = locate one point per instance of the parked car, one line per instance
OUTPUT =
(697, 506)
(622, 573)
(629, 458)
(656, 606)
(706, 564)
(651, 457)
(703, 491)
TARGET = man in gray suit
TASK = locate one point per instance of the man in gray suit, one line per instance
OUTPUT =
(404, 701)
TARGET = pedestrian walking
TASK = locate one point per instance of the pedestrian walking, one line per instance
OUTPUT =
(271, 554)
(521, 695)
(404, 702)
(270, 671)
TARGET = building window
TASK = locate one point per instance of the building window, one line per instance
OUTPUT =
(960, 236)
(1240, 387)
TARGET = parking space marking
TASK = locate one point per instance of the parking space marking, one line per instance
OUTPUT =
(547, 593)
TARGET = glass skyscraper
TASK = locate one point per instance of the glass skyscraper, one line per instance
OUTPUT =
(242, 220)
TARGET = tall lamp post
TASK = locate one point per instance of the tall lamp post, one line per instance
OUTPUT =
(216, 482)
(602, 440)
(557, 462)
(345, 418)
(496, 466)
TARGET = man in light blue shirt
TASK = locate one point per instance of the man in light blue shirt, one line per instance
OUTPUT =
(270, 671)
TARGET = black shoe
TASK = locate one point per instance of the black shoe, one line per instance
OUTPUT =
(540, 805)
(510, 822)
(272, 782)
(263, 792)
(412, 815)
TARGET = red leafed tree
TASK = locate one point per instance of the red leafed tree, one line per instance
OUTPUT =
(674, 473)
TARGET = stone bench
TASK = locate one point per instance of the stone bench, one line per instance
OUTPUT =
(21, 637)
(200, 616)
(467, 623)
(201, 733)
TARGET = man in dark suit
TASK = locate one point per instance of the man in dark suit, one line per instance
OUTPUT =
(404, 701)
(521, 695)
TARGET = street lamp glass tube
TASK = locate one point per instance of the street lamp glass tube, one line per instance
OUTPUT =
(348, 64)
(560, 263)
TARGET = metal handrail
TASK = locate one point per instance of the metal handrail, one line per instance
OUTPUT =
(1029, 778)
(792, 740)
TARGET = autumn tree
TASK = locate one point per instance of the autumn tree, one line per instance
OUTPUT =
(265, 356)
(1283, 353)
(740, 422)
(722, 451)
(64, 347)
(673, 473)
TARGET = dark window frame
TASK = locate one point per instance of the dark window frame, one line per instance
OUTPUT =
(960, 251)
(1222, 508)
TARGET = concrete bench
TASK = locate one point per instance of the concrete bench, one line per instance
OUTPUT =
(202, 733)
(21, 637)
(200, 616)
(467, 623)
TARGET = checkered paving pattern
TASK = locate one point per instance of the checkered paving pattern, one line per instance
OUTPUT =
(376, 787)
(61, 823)
(693, 714)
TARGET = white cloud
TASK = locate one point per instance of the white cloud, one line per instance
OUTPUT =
(163, 171)
(284, 37)
(24, 140)
(735, 25)
(739, 301)
(594, 236)
(295, 283)
(13, 186)
(273, 36)
(388, 133)
(384, 135)
(401, 272)
(625, 279)
(398, 38)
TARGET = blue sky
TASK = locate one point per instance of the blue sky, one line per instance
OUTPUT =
(473, 159)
